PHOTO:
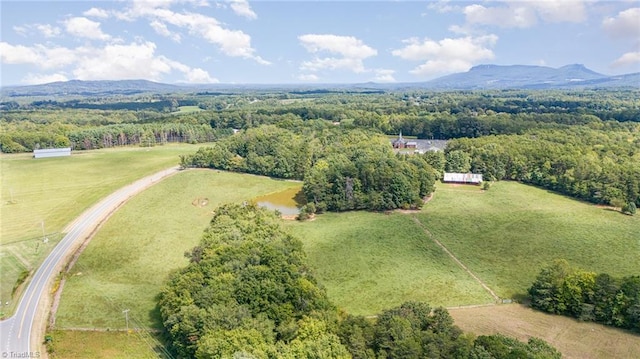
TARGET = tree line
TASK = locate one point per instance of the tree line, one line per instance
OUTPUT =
(341, 169)
(561, 289)
(247, 292)
(589, 164)
(106, 136)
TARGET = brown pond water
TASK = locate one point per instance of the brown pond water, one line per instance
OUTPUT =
(288, 202)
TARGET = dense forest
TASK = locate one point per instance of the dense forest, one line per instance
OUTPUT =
(585, 143)
(561, 289)
(247, 292)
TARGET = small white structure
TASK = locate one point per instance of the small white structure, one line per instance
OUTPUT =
(475, 178)
(52, 152)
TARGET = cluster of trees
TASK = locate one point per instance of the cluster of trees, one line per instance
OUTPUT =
(341, 169)
(247, 292)
(593, 165)
(140, 134)
(415, 330)
(561, 289)
(59, 135)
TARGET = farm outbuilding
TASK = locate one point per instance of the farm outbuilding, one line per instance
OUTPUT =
(420, 146)
(475, 178)
(52, 152)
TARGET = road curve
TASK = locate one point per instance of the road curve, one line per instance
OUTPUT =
(19, 338)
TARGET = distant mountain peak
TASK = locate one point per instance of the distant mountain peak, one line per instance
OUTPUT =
(489, 76)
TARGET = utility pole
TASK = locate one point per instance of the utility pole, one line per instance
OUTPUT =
(44, 235)
(126, 317)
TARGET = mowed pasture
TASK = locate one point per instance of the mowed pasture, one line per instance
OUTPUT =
(82, 344)
(507, 234)
(369, 262)
(39, 197)
(574, 339)
(128, 261)
(366, 261)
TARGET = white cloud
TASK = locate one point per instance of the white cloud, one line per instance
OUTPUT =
(626, 24)
(348, 46)
(352, 50)
(19, 54)
(192, 75)
(443, 6)
(512, 16)
(96, 12)
(242, 8)
(115, 61)
(627, 60)
(21, 30)
(38, 55)
(199, 76)
(45, 29)
(233, 43)
(162, 29)
(384, 75)
(36, 79)
(48, 30)
(308, 77)
(447, 55)
(111, 62)
(83, 27)
(560, 10)
(524, 14)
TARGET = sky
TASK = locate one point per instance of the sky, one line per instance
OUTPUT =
(302, 41)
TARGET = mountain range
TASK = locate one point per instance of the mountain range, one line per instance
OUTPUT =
(481, 77)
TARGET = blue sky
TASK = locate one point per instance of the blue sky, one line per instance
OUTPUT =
(240, 41)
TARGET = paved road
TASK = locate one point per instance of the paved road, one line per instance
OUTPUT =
(19, 338)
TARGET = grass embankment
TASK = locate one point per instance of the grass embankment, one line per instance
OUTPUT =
(128, 261)
(44, 195)
(508, 234)
(371, 261)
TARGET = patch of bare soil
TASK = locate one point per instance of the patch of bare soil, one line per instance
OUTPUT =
(574, 339)
(200, 202)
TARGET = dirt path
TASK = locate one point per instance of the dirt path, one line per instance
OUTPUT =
(455, 259)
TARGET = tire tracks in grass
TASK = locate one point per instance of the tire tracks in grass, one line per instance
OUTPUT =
(455, 259)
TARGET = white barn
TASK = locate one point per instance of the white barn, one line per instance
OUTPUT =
(475, 178)
(52, 152)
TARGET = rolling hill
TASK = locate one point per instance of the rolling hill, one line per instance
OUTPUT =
(481, 77)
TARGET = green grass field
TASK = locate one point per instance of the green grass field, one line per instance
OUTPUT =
(371, 261)
(44, 195)
(188, 109)
(75, 344)
(128, 261)
(507, 234)
(366, 261)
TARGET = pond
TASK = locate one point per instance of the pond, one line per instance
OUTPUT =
(288, 202)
